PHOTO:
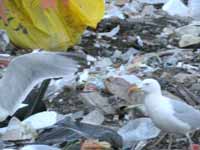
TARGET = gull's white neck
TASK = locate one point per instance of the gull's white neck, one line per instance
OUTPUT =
(157, 92)
(153, 100)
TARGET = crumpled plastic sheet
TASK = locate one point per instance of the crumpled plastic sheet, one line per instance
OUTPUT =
(138, 130)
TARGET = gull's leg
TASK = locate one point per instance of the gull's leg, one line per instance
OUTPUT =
(190, 140)
(159, 140)
(170, 141)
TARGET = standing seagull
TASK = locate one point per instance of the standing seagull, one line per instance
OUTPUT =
(26, 71)
(169, 115)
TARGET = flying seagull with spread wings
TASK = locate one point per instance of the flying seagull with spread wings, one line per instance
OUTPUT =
(26, 71)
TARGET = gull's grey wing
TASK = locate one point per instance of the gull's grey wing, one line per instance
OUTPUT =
(186, 113)
(26, 71)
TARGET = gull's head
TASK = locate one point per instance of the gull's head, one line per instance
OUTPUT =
(148, 86)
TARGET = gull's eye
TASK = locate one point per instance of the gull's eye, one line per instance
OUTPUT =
(146, 84)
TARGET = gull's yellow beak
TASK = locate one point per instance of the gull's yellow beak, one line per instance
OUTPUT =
(133, 89)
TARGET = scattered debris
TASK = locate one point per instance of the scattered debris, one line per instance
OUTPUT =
(39, 121)
(70, 131)
(137, 39)
(153, 1)
(110, 34)
(189, 35)
(176, 7)
(138, 130)
(39, 147)
(119, 86)
(94, 99)
(94, 144)
(95, 117)
(17, 130)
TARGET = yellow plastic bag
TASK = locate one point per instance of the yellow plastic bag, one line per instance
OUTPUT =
(30, 26)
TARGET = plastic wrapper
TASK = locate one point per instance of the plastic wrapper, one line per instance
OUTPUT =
(31, 26)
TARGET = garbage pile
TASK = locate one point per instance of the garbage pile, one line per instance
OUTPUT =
(137, 39)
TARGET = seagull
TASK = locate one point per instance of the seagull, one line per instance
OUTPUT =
(171, 116)
(26, 71)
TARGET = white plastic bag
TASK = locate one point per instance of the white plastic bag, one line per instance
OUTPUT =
(176, 7)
